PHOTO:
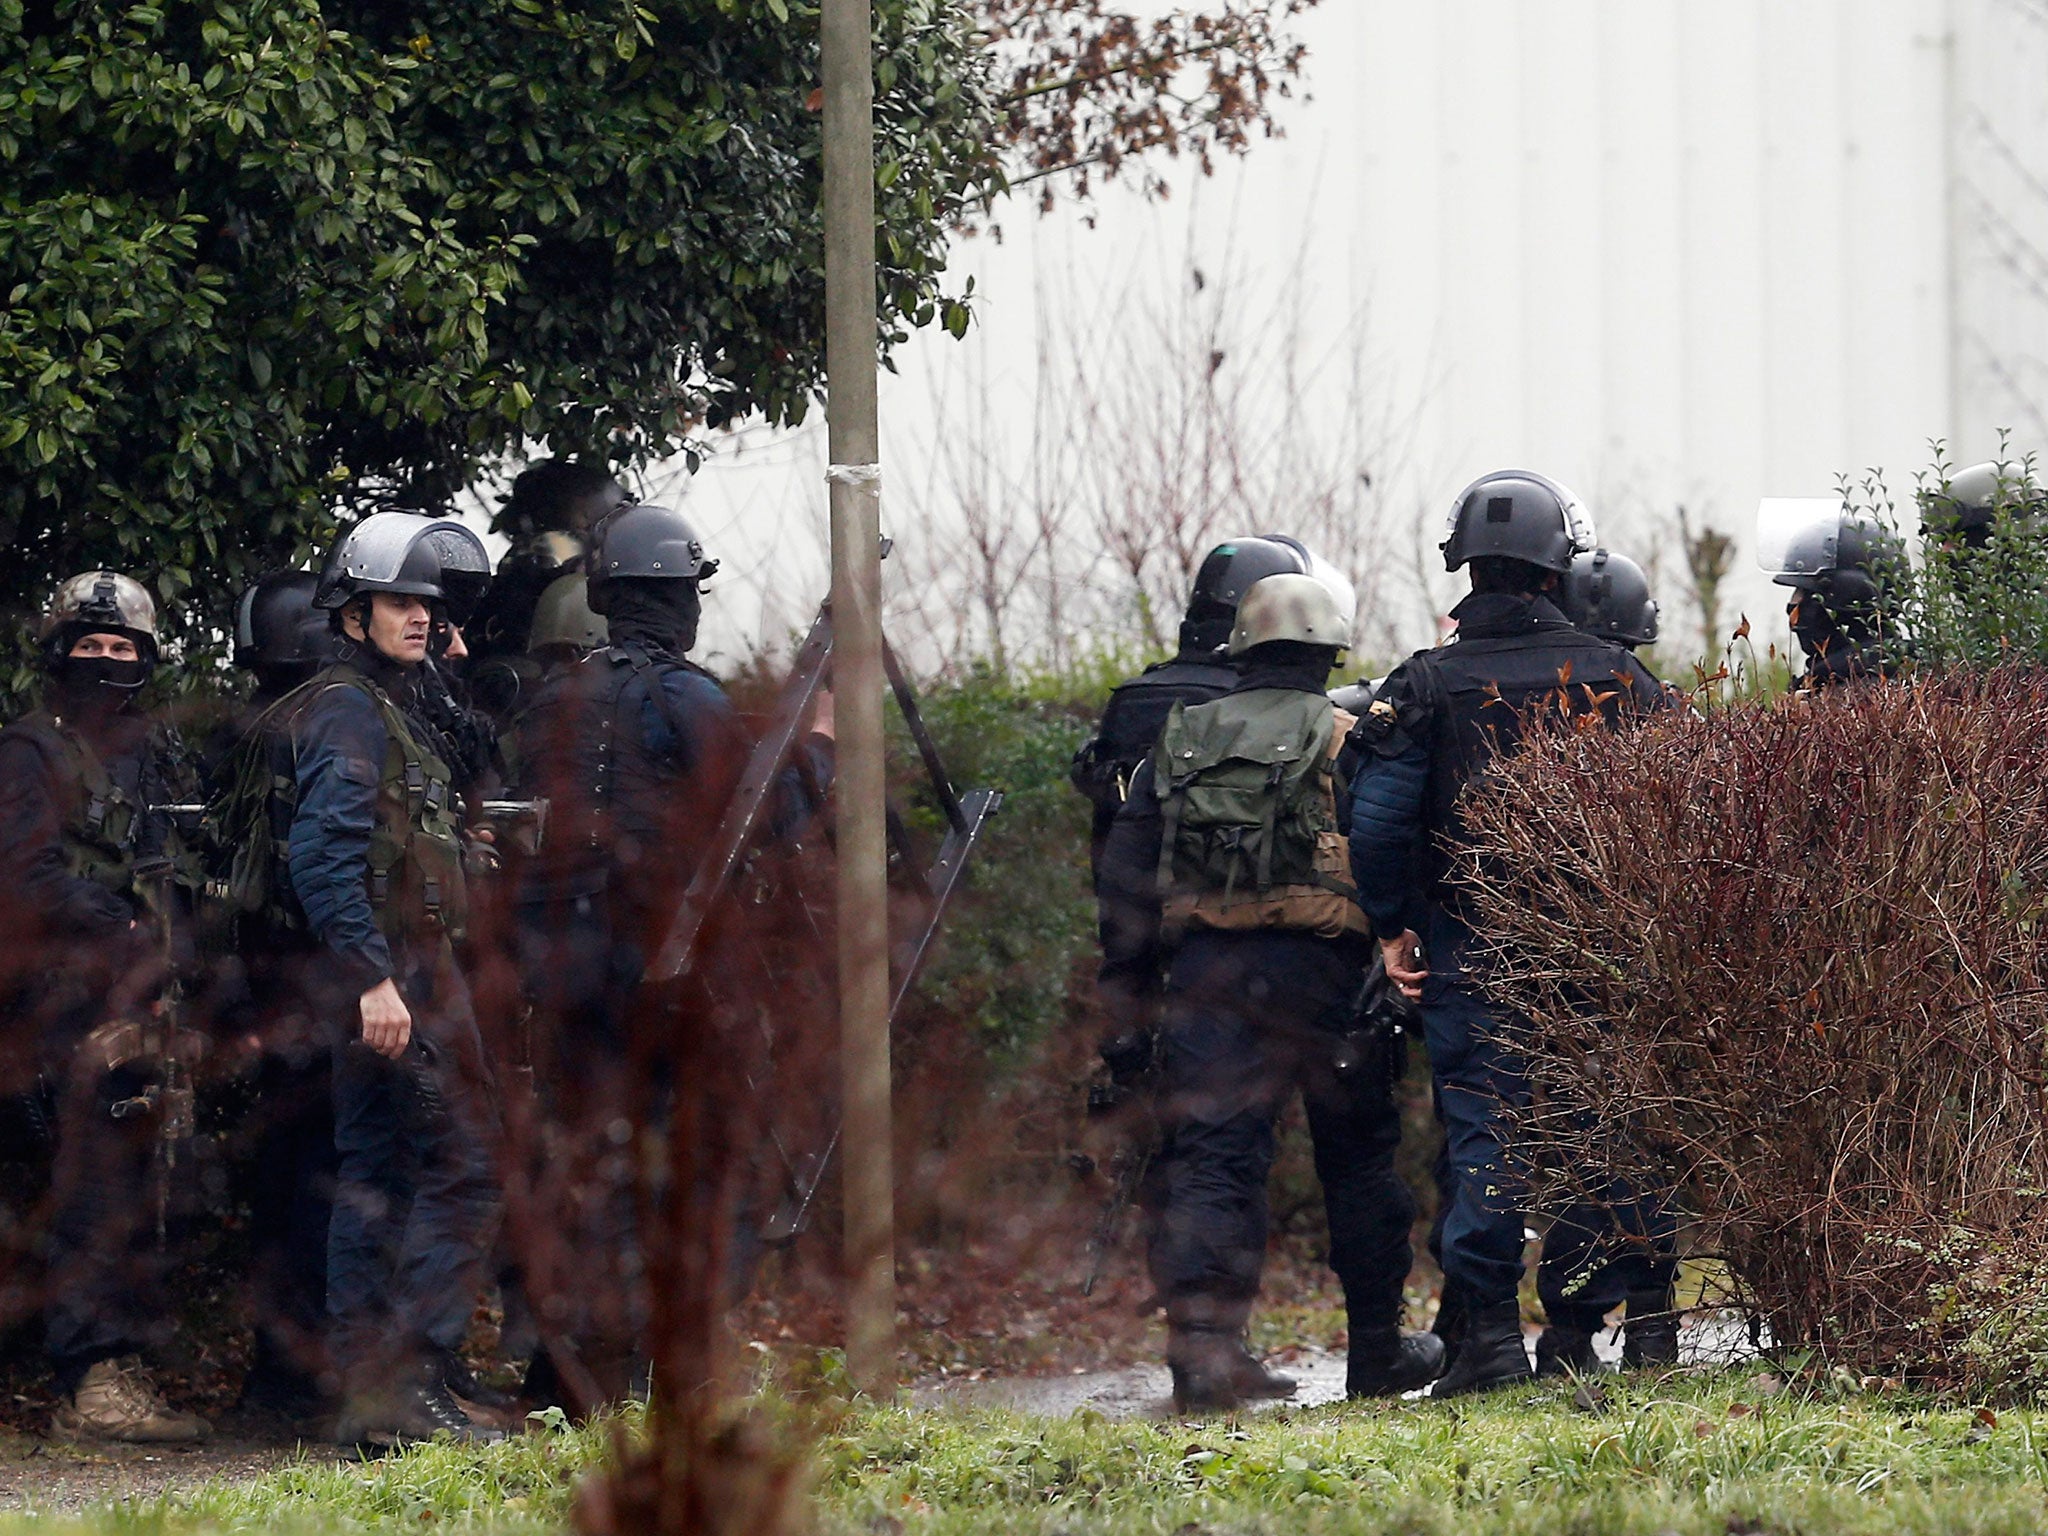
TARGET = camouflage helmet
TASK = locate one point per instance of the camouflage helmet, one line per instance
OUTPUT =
(99, 603)
(563, 618)
(1288, 606)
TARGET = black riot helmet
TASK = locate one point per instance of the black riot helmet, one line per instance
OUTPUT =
(558, 496)
(1835, 556)
(279, 634)
(1226, 573)
(1517, 514)
(1608, 596)
(1965, 506)
(406, 553)
(644, 543)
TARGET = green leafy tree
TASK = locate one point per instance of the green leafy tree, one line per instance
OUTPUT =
(275, 260)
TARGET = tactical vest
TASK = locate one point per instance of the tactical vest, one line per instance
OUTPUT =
(610, 805)
(1247, 792)
(415, 879)
(1131, 723)
(1477, 692)
(102, 822)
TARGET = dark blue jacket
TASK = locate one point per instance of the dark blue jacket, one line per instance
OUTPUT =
(340, 745)
(637, 784)
(1439, 719)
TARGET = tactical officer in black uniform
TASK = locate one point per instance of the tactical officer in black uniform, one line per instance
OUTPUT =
(548, 518)
(281, 639)
(84, 779)
(375, 859)
(1835, 561)
(286, 1156)
(1198, 672)
(637, 752)
(1227, 914)
(1963, 510)
(1437, 721)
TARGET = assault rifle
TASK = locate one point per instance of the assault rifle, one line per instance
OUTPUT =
(158, 1036)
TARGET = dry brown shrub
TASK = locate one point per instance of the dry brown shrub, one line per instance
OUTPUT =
(1789, 957)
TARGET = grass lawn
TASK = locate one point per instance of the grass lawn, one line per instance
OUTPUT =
(1730, 1453)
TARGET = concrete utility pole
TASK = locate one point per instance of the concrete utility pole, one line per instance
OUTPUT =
(857, 681)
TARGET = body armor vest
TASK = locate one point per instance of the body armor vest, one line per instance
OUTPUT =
(1477, 692)
(611, 803)
(1132, 721)
(102, 821)
(415, 879)
(1248, 803)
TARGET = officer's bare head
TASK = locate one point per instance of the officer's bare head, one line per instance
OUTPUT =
(104, 647)
(396, 624)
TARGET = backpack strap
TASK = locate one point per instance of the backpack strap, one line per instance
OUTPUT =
(644, 669)
(1164, 789)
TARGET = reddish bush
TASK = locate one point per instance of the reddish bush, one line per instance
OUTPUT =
(1789, 957)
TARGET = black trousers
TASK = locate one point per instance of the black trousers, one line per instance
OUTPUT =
(103, 1276)
(1251, 1019)
(416, 1200)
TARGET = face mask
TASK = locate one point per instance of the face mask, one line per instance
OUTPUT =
(97, 684)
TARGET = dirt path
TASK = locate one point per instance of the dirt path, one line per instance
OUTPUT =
(57, 1476)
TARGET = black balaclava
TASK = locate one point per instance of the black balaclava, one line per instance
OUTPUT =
(1287, 664)
(658, 615)
(92, 689)
(1206, 630)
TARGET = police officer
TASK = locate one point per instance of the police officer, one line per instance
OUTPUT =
(1225, 875)
(1435, 724)
(637, 752)
(286, 1159)
(375, 861)
(1608, 596)
(548, 518)
(1198, 672)
(83, 780)
(1837, 563)
(1963, 510)
(281, 639)
(1588, 1268)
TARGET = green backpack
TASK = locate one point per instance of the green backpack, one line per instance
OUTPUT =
(1245, 790)
(248, 896)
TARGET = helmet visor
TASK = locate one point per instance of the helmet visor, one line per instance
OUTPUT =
(1798, 535)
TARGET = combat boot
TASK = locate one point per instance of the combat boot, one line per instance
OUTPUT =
(1385, 1362)
(120, 1400)
(1491, 1355)
(1452, 1316)
(408, 1406)
(1649, 1335)
(1562, 1350)
(1212, 1368)
(478, 1398)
